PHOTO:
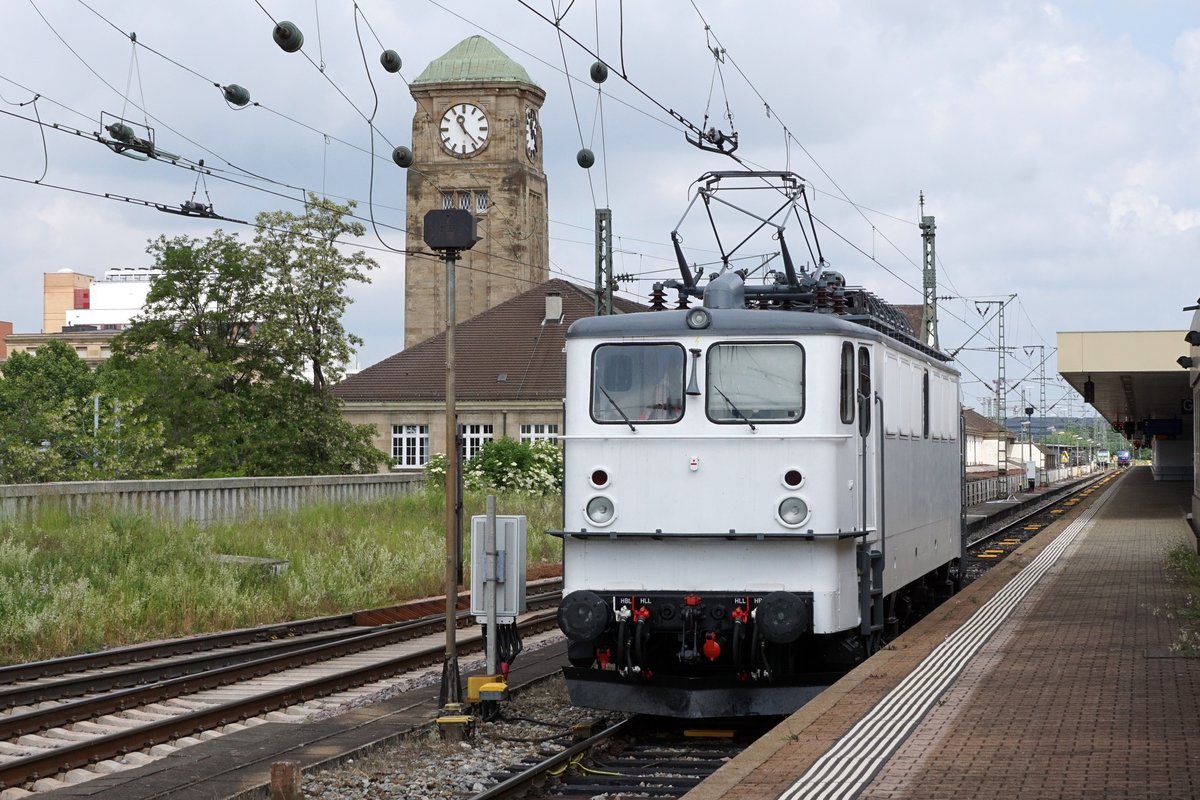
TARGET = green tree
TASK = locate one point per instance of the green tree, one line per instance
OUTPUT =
(44, 421)
(193, 404)
(209, 297)
(308, 274)
(213, 367)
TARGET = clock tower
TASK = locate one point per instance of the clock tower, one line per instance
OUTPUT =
(477, 145)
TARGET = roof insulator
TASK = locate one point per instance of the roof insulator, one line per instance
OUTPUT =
(599, 72)
(237, 95)
(402, 156)
(390, 60)
(586, 158)
(288, 37)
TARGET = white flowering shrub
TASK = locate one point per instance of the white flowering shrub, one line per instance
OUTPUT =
(506, 464)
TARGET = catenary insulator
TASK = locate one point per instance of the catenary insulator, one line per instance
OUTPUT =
(121, 132)
(390, 60)
(288, 37)
(586, 158)
(237, 95)
(402, 156)
(599, 72)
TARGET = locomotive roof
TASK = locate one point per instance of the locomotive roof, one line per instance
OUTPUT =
(747, 322)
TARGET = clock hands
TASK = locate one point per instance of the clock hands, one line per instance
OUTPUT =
(460, 119)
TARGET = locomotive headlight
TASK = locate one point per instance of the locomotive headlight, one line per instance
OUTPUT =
(698, 318)
(600, 510)
(793, 512)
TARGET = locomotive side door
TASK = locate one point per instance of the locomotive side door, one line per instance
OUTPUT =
(872, 547)
(868, 407)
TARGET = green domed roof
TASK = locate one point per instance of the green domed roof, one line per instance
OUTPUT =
(474, 59)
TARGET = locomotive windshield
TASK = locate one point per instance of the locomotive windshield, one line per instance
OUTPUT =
(637, 382)
(750, 383)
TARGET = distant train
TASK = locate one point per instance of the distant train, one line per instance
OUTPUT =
(1124, 458)
(757, 488)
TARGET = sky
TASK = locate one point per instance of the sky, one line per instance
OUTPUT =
(1057, 145)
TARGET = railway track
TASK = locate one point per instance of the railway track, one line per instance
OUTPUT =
(637, 757)
(58, 717)
(984, 550)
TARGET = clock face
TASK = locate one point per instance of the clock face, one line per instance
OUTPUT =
(531, 133)
(463, 130)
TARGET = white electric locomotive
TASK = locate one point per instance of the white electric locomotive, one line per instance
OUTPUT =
(758, 488)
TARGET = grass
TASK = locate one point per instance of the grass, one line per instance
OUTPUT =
(1183, 561)
(79, 584)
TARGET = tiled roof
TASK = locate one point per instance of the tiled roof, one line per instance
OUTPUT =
(504, 353)
(980, 425)
(912, 313)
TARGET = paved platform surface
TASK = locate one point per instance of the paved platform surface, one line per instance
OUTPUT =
(1056, 675)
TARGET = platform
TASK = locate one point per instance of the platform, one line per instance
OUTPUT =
(1056, 675)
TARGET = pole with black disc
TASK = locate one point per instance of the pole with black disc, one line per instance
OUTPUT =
(449, 232)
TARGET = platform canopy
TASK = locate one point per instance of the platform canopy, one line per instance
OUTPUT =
(1137, 382)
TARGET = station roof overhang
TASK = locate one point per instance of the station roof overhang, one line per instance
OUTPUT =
(1136, 379)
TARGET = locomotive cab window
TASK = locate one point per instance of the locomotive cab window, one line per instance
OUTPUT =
(637, 383)
(755, 382)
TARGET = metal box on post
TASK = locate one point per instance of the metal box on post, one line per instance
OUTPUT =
(510, 567)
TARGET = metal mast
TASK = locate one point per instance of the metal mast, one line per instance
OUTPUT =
(929, 323)
(1001, 391)
(605, 284)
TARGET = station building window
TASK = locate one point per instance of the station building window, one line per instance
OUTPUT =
(410, 445)
(539, 432)
(474, 437)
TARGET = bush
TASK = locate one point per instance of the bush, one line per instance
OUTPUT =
(507, 465)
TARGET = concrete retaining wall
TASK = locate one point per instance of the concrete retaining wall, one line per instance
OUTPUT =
(202, 500)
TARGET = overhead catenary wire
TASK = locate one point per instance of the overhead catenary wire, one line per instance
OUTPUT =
(255, 177)
(211, 82)
(118, 92)
(790, 137)
(217, 174)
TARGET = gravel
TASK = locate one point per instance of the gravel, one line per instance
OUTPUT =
(535, 723)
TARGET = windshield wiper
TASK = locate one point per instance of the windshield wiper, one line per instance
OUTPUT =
(618, 408)
(737, 414)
